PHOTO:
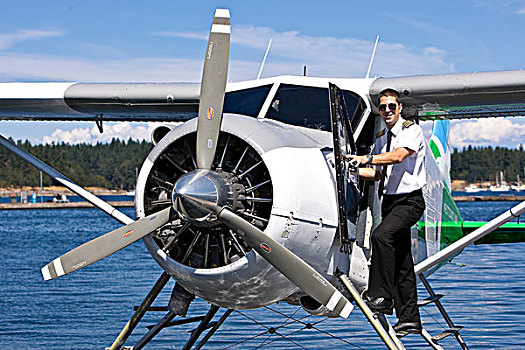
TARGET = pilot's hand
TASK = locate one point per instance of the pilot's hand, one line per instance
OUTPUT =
(356, 159)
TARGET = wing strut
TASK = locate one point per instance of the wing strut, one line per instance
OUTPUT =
(141, 310)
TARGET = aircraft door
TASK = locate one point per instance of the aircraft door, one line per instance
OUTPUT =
(347, 178)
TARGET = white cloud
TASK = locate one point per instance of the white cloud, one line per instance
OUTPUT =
(57, 68)
(341, 57)
(487, 132)
(122, 131)
(508, 132)
(291, 50)
(9, 40)
(186, 35)
(505, 6)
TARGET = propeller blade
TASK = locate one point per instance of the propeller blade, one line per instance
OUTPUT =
(212, 88)
(290, 265)
(104, 245)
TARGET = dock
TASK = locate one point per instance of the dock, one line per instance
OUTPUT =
(69, 205)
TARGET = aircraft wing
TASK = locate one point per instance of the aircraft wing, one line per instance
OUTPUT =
(458, 96)
(108, 102)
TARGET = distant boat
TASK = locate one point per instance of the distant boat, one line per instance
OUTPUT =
(501, 185)
(130, 193)
(500, 188)
(519, 186)
(474, 188)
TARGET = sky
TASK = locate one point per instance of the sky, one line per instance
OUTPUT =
(164, 41)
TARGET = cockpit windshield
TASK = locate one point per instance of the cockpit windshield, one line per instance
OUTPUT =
(247, 101)
(309, 107)
(293, 104)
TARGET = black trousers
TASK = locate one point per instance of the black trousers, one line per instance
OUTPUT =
(392, 268)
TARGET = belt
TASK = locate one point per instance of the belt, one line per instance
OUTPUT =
(415, 193)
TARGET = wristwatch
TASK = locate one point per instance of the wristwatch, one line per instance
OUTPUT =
(370, 159)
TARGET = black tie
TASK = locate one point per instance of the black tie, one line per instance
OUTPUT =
(383, 172)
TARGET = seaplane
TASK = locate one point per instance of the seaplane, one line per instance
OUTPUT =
(249, 200)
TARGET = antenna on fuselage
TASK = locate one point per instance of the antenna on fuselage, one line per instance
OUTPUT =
(264, 59)
(372, 58)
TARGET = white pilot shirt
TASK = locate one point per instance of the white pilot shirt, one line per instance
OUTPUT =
(410, 174)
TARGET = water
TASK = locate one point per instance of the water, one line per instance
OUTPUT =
(87, 309)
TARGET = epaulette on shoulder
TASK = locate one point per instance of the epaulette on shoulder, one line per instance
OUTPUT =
(381, 133)
(408, 123)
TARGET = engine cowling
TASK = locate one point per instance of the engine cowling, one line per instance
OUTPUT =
(272, 175)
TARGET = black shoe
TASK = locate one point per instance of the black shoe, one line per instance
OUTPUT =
(408, 327)
(381, 305)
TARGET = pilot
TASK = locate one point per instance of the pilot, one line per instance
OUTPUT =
(398, 160)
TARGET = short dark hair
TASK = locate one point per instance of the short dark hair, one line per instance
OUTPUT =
(389, 92)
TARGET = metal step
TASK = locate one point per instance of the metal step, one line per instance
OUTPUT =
(430, 299)
(446, 333)
(430, 340)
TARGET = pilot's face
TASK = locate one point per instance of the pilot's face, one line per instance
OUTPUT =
(390, 116)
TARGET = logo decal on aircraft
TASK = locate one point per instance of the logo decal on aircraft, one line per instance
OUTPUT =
(209, 113)
(128, 233)
(266, 248)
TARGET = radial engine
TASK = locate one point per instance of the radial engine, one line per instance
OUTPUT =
(273, 175)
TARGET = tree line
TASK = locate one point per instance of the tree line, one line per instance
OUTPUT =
(113, 165)
(110, 165)
(477, 164)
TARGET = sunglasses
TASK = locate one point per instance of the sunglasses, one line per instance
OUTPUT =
(391, 106)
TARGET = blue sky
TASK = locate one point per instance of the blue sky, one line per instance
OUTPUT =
(102, 41)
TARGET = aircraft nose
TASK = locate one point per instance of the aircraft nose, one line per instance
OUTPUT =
(196, 195)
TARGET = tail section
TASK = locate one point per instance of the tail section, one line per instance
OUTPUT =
(440, 148)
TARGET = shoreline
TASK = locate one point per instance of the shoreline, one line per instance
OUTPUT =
(7, 192)
(70, 205)
(474, 198)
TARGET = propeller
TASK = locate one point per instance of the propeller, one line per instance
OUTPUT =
(104, 245)
(213, 85)
(212, 88)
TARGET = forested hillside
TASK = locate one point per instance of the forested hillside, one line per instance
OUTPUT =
(112, 165)
(477, 164)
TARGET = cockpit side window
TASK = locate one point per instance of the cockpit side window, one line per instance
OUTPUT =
(308, 106)
(247, 101)
(356, 108)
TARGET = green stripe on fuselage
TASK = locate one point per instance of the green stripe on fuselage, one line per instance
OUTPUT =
(435, 150)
